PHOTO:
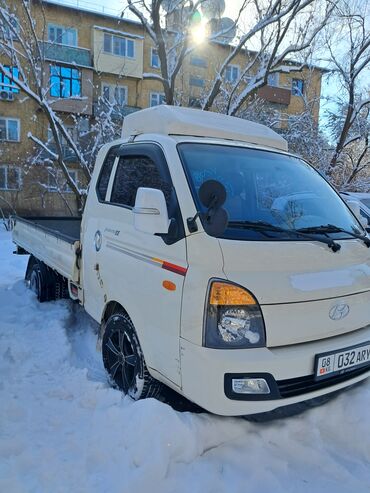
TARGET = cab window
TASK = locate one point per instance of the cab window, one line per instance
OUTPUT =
(132, 173)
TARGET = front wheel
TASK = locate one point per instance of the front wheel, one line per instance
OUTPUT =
(124, 361)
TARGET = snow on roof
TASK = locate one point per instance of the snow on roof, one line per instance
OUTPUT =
(172, 120)
(116, 31)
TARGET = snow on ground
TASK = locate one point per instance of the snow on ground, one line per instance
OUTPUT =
(63, 429)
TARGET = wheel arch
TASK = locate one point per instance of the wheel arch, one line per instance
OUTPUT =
(109, 309)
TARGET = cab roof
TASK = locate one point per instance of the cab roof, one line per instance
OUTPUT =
(175, 120)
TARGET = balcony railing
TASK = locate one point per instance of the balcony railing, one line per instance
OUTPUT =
(118, 112)
(68, 54)
(275, 94)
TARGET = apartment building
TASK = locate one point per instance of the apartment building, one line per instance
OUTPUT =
(92, 60)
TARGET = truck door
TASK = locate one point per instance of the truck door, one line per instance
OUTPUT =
(92, 221)
(144, 273)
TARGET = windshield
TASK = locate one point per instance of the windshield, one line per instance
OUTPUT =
(266, 186)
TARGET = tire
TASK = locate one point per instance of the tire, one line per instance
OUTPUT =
(35, 281)
(124, 361)
(44, 282)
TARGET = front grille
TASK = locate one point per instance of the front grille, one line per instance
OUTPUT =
(303, 385)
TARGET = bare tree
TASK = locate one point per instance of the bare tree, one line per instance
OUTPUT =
(22, 46)
(352, 166)
(278, 29)
(348, 46)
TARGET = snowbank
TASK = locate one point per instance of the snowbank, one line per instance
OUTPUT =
(63, 429)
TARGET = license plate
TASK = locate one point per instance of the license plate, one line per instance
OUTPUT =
(340, 361)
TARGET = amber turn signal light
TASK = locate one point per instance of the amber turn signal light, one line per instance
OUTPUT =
(223, 293)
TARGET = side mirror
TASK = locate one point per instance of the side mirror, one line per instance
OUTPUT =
(150, 211)
(355, 208)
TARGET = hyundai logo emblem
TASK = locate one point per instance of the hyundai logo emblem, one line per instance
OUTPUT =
(337, 312)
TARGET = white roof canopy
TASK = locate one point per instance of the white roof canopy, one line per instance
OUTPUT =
(175, 120)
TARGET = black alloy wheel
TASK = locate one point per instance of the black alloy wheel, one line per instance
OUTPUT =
(124, 360)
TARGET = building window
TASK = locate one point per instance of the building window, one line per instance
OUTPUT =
(10, 32)
(198, 61)
(6, 84)
(72, 131)
(273, 79)
(9, 129)
(117, 45)
(297, 87)
(10, 178)
(65, 82)
(197, 82)
(115, 94)
(62, 35)
(154, 59)
(232, 73)
(57, 181)
(157, 98)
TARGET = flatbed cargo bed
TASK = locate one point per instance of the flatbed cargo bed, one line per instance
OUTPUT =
(67, 228)
(54, 240)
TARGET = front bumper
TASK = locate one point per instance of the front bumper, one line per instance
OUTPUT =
(203, 373)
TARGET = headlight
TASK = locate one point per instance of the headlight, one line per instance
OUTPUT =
(233, 318)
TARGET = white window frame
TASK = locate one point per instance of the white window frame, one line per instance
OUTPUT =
(71, 129)
(53, 182)
(158, 96)
(151, 58)
(64, 29)
(232, 67)
(19, 180)
(126, 38)
(275, 82)
(297, 93)
(6, 119)
(7, 33)
(112, 88)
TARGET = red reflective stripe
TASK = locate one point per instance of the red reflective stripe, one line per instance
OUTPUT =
(174, 268)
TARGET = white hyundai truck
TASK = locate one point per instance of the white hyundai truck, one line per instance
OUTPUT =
(215, 262)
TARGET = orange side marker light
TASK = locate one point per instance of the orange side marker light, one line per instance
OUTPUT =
(169, 285)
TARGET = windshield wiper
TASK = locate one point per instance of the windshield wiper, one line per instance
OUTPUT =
(265, 226)
(331, 228)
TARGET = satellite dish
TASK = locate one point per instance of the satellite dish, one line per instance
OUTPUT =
(213, 9)
(226, 27)
(169, 5)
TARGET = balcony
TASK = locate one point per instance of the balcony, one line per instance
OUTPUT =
(275, 94)
(67, 54)
(118, 112)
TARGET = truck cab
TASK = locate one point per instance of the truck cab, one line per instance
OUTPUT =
(220, 265)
